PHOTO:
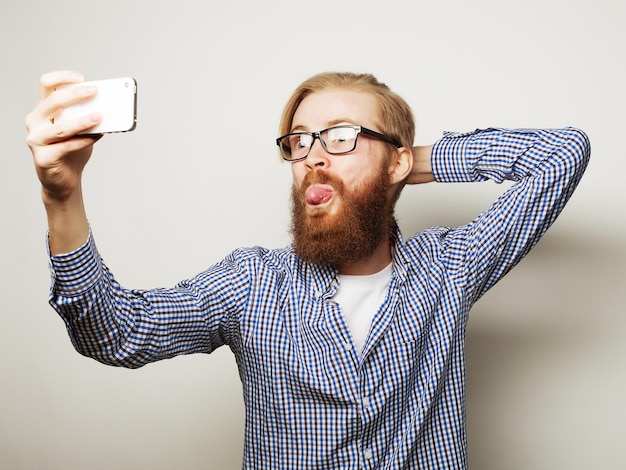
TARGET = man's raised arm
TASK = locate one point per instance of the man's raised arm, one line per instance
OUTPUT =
(60, 156)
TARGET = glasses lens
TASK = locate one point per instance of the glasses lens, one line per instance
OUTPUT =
(340, 139)
(295, 146)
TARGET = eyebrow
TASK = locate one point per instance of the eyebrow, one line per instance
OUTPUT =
(332, 123)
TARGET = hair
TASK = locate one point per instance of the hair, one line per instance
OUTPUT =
(395, 118)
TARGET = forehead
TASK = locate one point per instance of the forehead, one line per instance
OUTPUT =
(329, 107)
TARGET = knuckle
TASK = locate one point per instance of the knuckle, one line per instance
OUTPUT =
(60, 132)
(28, 121)
(29, 141)
(54, 102)
(46, 79)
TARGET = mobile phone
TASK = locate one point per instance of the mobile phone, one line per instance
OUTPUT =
(116, 100)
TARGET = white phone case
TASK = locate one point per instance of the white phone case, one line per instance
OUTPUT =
(116, 100)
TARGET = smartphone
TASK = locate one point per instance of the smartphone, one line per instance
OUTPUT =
(116, 100)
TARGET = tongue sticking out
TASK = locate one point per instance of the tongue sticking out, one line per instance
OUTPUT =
(317, 195)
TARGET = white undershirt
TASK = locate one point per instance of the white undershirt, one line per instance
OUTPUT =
(360, 297)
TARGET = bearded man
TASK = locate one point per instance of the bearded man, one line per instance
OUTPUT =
(350, 341)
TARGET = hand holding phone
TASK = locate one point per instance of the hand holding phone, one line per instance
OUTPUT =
(116, 100)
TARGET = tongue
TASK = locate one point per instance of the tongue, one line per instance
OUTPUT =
(316, 195)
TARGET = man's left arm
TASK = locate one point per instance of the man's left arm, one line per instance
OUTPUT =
(546, 166)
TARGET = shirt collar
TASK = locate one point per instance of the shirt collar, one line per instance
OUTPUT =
(399, 253)
(324, 278)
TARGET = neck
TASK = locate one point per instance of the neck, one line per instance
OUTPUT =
(375, 262)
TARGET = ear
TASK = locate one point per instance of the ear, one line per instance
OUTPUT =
(400, 165)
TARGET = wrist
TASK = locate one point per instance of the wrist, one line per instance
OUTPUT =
(68, 227)
(60, 196)
(422, 171)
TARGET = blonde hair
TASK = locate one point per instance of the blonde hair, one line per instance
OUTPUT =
(395, 117)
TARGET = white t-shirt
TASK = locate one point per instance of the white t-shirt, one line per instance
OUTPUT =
(360, 297)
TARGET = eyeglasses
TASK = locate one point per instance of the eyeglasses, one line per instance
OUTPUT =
(335, 140)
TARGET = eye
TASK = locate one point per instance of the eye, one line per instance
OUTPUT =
(340, 136)
(299, 141)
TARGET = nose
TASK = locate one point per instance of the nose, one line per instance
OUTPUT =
(317, 157)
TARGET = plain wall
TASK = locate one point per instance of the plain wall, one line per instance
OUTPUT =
(200, 176)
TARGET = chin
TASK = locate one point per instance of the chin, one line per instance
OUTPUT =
(330, 208)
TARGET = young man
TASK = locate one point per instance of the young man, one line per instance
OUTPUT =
(350, 341)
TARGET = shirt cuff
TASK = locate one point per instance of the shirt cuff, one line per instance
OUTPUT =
(449, 158)
(75, 272)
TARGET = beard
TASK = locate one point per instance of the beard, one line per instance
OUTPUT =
(363, 221)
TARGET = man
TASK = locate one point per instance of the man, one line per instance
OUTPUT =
(350, 341)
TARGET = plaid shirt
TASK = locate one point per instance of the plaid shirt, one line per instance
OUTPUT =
(311, 401)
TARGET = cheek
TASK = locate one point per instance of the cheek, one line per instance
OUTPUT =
(297, 173)
(355, 173)
(363, 163)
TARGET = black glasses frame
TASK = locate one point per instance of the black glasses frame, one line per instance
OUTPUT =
(317, 135)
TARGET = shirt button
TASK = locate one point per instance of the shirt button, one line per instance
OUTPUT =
(368, 454)
(366, 402)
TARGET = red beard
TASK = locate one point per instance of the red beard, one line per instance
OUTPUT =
(354, 232)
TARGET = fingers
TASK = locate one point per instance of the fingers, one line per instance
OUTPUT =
(50, 140)
(59, 150)
(45, 133)
(54, 96)
(61, 98)
(61, 153)
(51, 80)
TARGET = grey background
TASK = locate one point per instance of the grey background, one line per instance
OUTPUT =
(200, 176)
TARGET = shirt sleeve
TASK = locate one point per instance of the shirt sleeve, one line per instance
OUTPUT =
(131, 328)
(545, 166)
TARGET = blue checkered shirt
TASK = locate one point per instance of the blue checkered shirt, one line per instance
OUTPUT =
(311, 401)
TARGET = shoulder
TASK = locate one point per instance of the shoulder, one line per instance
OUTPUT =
(428, 243)
(257, 257)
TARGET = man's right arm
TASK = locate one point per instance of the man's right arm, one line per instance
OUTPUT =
(60, 155)
(111, 324)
